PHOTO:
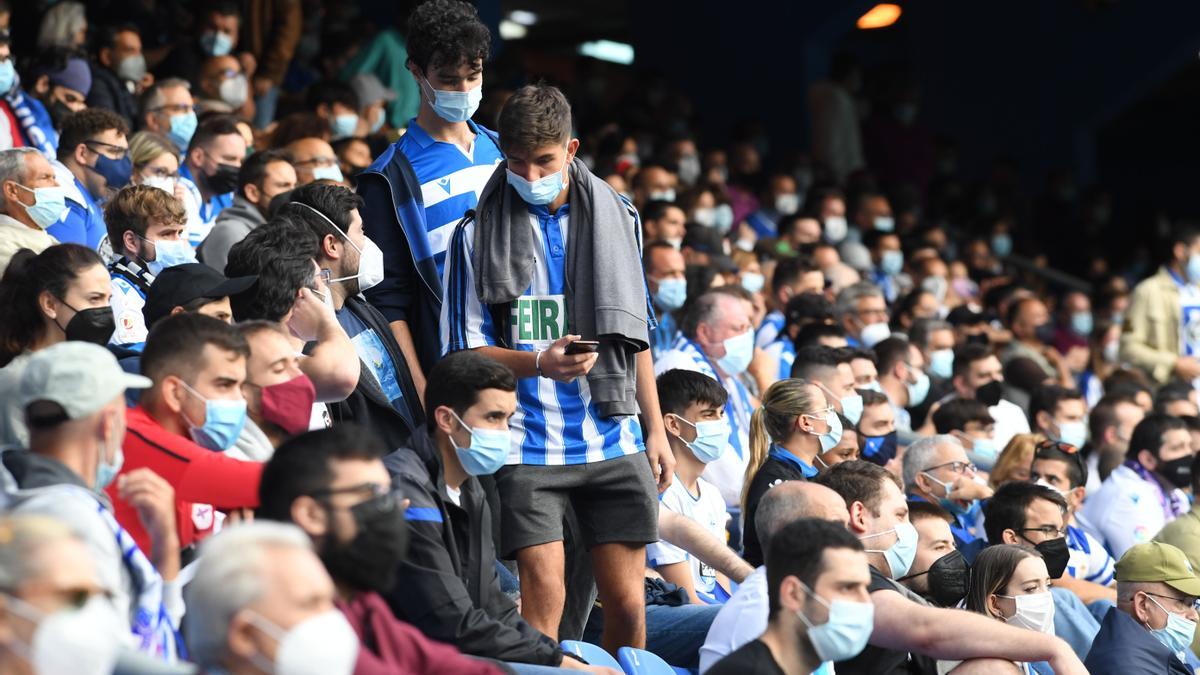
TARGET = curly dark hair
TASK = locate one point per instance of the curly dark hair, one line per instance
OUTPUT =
(446, 32)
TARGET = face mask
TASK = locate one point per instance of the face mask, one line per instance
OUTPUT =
(1177, 634)
(746, 245)
(319, 645)
(94, 325)
(223, 422)
(951, 505)
(224, 179)
(787, 204)
(59, 112)
(689, 169)
(453, 106)
(116, 171)
(1112, 352)
(1044, 333)
(182, 129)
(488, 452)
(8, 75)
(723, 218)
(368, 562)
(874, 333)
(169, 254)
(1193, 268)
(989, 394)
(941, 363)
(835, 229)
(377, 123)
(234, 90)
(343, 126)
(753, 281)
(1072, 433)
(936, 285)
(884, 224)
(1081, 323)
(984, 452)
(899, 555)
(288, 405)
(106, 471)
(675, 242)
(1002, 245)
(79, 641)
(667, 195)
(49, 203)
(739, 351)
(333, 173)
(880, 449)
(845, 633)
(829, 439)
(671, 294)
(216, 43)
(163, 183)
(132, 68)
(917, 391)
(892, 262)
(1034, 612)
(1056, 556)
(541, 191)
(852, 407)
(873, 385)
(712, 437)
(706, 216)
(370, 256)
(948, 576)
(1178, 472)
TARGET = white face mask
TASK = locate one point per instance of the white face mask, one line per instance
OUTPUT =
(321, 645)
(1034, 612)
(82, 641)
(370, 256)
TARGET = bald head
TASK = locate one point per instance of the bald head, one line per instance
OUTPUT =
(794, 500)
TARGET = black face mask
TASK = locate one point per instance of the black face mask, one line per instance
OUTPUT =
(1056, 554)
(224, 179)
(94, 325)
(977, 339)
(989, 394)
(58, 112)
(1045, 333)
(369, 561)
(1178, 472)
(948, 577)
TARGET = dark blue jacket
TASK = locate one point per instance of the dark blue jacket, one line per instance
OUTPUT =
(1125, 647)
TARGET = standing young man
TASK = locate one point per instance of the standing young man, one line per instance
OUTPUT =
(552, 255)
(420, 187)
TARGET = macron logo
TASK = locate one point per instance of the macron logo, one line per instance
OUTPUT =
(445, 184)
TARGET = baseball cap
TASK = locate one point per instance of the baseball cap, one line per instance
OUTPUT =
(178, 285)
(80, 377)
(370, 90)
(1156, 561)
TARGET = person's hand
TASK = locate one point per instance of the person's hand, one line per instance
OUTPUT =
(146, 83)
(1187, 368)
(560, 366)
(153, 499)
(248, 63)
(1066, 662)
(309, 314)
(239, 516)
(969, 489)
(662, 460)
(262, 85)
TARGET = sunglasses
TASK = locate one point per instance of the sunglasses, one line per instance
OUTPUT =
(1046, 446)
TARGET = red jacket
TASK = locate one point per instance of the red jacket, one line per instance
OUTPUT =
(204, 481)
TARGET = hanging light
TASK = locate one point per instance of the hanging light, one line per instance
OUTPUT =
(879, 16)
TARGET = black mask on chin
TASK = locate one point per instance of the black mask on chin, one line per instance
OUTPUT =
(369, 561)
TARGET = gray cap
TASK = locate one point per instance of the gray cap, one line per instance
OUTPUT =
(80, 377)
(370, 90)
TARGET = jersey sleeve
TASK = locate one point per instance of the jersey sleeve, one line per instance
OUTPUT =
(465, 322)
(1101, 566)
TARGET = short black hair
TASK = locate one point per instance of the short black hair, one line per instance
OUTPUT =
(891, 351)
(211, 126)
(303, 466)
(254, 168)
(1148, 434)
(1171, 392)
(1047, 397)
(335, 202)
(678, 389)
(1076, 465)
(457, 379)
(657, 208)
(1104, 414)
(175, 345)
(858, 481)
(871, 397)
(85, 125)
(814, 359)
(921, 510)
(1006, 509)
(328, 92)
(955, 414)
(446, 32)
(967, 354)
(281, 252)
(106, 38)
(811, 334)
(798, 550)
(806, 308)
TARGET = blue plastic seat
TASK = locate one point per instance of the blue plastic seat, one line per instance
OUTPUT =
(593, 654)
(642, 662)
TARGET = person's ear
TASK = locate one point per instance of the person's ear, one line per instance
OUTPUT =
(310, 516)
(1043, 419)
(11, 192)
(672, 425)
(240, 636)
(129, 240)
(858, 518)
(195, 156)
(41, 86)
(572, 147)
(1147, 459)
(1009, 536)
(48, 304)
(1075, 497)
(173, 393)
(328, 244)
(993, 605)
(80, 154)
(252, 194)
(444, 417)
(1109, 435)
(791, 595)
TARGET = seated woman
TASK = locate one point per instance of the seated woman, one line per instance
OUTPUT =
(1010, 583)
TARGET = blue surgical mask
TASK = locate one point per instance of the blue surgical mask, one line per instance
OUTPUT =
(885, 223)
(8, 75)
(739, 351)
(115, 171)
(377, 124)
(899, 555)
(917, 391)
(541, 191)
(1072, 433)
(1177, 634)
(852, 407)
(1002, 244)
(880, 449)
(182, 128)
(712, 437)
(753, 281)
(671, 294)
(106, 471)
(1081, 323)
(892, 262)
(845, 633)
(216, 43)
(343, 126)
(49, 203)
(984, 453)
(223, 422)
(941, 363)
(488, 451)
(1193, 268)
(169, 254)
(331, 172)
(951, 505)
(453, 106)
(830, 438)
(723, 218)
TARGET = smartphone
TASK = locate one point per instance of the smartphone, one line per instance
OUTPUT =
(583, 347)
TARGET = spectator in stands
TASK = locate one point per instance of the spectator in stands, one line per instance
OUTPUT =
(877, 430)
(829, 369)
(93, 147)
(263, 176)
(1060, 414)
(1160, 305)
(224, 87)
(792, 277)
(939, 571)
(978, 375)
(336, 103)
(862, 311)
(936, 470)
(314, 160)
(1010, 584)
(902, 378)
(30, 202)
(968, 420)
(210, 168)
(193, 288)
(119, 72)
(667, 284)
(62, 83)
(167, 108)
(279, 396)
(1177, 399)
(1110, 424)
(663, 221)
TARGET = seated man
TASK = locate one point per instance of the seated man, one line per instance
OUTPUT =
(812, 564)
(263, 176)
(693, 406)
(936, 470)
(260, 601)
(333, 485)
(1059, 414)
(877, 430)
(970, 422)
(1152, 625)
(939, 572)
(193, 287)
(191, 414)
(279, 396)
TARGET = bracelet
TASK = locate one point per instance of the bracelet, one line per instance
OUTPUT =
(537, 363)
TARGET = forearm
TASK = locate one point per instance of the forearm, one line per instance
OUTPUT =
(1088, 591)
(523, 364)
(404, 339)
(647, 395)
(955, 635)
(694, 539)
(333, 364)
(680, 574)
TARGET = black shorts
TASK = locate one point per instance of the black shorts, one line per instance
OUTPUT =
(615, 501)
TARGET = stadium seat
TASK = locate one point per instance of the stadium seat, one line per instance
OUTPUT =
(642, 662)
(593, 654)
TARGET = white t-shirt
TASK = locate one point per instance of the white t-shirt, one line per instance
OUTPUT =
(1010, 421)
(1125, 511)
(742, 619)
(707, 509)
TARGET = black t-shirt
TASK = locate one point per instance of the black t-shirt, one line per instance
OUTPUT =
(772, 472)
(879, 661)
(752, 657)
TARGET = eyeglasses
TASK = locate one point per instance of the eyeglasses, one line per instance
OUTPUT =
(1183, 602)
(109, 149)
(955, 467)
(1050, 531)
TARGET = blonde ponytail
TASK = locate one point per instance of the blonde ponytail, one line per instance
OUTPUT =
(774, 421)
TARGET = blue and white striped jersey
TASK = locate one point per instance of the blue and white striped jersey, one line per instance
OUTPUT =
(783, 352)
(1089, 561)
(451, 180)
(555, 423)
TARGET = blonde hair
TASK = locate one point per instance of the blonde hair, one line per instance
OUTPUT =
(774, 420)
(147, 146)
(21, 537)
(1018, 453)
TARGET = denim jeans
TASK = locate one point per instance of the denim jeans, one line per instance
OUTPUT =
(675, 634)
